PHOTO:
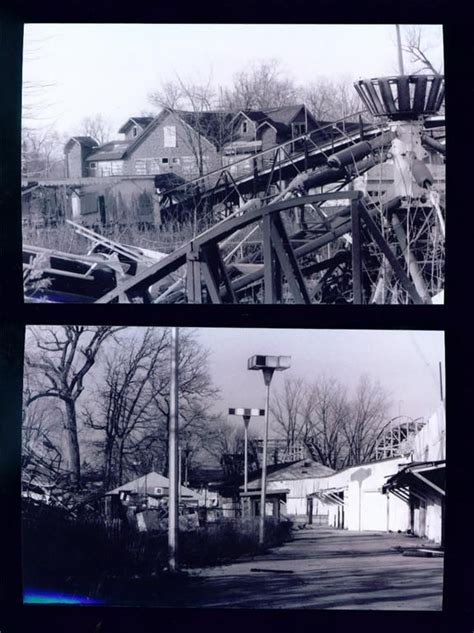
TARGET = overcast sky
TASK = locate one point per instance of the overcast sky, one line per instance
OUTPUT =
(112, 68)
(406, 363)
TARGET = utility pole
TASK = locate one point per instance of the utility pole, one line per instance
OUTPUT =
(173, 455)
(399, 47)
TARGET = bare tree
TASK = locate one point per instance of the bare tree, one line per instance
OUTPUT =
(330, 100)
(329, 410)
(61, 357)
(418, 45)
(226, 444)
(130, 408)
(340, 430)
(97, 127)
(41, 450)
(367, 419)
(42, 153)
(125, 399)
(291, 410)
(261, 85)
(202, 126)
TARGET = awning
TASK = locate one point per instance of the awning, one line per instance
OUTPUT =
(424, 480)
(329, 495)
(270, 493)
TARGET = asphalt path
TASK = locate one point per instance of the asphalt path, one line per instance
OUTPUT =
(321, 568)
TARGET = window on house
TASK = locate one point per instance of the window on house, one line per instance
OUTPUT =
(299, 129)
(175, 161)
(169, 135)
(92, 165)
(245, 127)
(134, 130)
(165, 161)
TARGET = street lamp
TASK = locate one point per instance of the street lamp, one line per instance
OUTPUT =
(246, 414)
(268, 365)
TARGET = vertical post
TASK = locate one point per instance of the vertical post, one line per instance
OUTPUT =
(399, 47)
(356, 253)
(441, 383)
(180, 471)
(269, 267)
(246, 432)
(267, 376)
(173, 455)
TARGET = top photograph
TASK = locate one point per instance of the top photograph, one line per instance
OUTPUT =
(233, 163)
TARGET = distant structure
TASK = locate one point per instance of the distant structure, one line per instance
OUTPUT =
(398, 437)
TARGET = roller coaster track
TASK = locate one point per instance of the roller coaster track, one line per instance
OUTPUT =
(344, 242)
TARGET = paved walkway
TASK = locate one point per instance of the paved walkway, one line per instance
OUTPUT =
(322, 568)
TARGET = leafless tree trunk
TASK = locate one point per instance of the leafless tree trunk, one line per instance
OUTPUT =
(62, 356)
(416, 44)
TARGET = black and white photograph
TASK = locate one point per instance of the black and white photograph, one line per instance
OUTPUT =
(233, 163)
(233, 468)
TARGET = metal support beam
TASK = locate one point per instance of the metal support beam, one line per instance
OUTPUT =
(429, 483)
(193, 277)
(272, 271)
(356, 254)
(410, 259)
(288, 261)
(389, 254)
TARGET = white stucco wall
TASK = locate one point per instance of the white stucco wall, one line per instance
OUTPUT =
(367, 479)
(429, 443)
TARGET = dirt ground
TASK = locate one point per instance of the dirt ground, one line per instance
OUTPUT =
(321, 568)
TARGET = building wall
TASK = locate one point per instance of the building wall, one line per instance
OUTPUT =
(366, 508)
(149, 155)
(269, 137)
(249, 135)
(126, 202)
(74, 162)
(429, 443)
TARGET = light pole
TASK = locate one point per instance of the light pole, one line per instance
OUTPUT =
(268, 365)
(173, 455)
(246, 414)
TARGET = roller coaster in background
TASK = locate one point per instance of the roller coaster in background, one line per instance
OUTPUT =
(300, 227)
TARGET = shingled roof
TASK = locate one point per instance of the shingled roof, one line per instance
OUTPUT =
(302, 469)
(142, 121)
(114, 150)
(85, 141)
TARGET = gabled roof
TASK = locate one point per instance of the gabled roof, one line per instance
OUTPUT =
(301, 469)
(142, 121)
(285, 114)
(254, 115)
(213, 125)
(85, 141)
(147, 484)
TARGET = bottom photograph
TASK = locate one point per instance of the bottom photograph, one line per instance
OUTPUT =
(233, 467)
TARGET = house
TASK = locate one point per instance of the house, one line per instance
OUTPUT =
(143, 503)
(182, 142)
(187, 143)
(76, 151)
(288, 485)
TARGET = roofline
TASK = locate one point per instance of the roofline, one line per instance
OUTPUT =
(135, 122)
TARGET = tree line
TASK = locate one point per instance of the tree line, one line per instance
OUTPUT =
(96, 409)
(259, 85)
(96, 402)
